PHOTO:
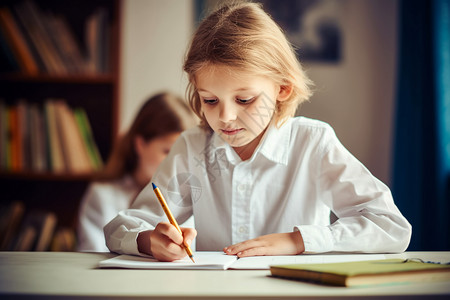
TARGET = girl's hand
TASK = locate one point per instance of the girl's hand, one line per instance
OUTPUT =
(272, 244)
(165, 243)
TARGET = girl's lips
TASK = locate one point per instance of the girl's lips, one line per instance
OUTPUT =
(231, 131)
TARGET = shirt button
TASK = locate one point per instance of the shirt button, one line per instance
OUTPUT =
(242, 229)
(241, 187)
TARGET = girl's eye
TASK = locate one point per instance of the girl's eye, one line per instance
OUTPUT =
(210, 101)
(245, 101)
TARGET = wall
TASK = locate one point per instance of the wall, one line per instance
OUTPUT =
(154, 38)
(355, 96)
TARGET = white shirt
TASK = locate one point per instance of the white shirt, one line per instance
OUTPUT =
(100, 204)
(297, 174)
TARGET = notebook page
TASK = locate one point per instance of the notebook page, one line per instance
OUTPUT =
(203, 260)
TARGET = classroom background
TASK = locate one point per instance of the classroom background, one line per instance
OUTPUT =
(384, 89)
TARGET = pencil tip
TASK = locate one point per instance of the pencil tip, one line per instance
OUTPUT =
(154, 186)
(192, 258)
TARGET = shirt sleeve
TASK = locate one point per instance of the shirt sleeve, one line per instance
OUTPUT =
(368, 219)
(145, 212)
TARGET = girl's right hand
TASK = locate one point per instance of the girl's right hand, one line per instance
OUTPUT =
(165, 243)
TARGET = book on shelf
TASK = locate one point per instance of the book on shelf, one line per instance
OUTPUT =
(65, 40)
(17, 43)
(31, 19)
(38, 140)
(63, 240)
(33, 40)
(36, 231)
(52, 137)
(55, 146)
(10, 217)
(74, 149)
(32, 230)
(8, 62)
(23, 131)
(4, 128)
(14, 147)
(88, 137)
(364, 273)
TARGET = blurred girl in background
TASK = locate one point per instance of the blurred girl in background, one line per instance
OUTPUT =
(131, 165)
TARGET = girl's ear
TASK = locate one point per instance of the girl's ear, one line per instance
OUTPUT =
(285, 92)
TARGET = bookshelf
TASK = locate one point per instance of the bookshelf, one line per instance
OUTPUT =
(92, 85)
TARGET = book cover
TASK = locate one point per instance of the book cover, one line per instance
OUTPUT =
(24, 138)
(46, 227)
(8, 61)
(17, 42)
(361, 273)
(36, 232)
(67, 43)
(3, 134)
(76, 152)
(38, 139)
(26, 239)
(88, 138)
(97, 39)
(32, 20)
(14, 140)
(55, 154)
(63, 240)
(6, 153)
(11, 217)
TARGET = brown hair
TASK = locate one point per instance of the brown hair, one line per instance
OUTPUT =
(160, 115)
(242, 35)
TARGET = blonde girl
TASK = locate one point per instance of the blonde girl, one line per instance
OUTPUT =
(257, 180)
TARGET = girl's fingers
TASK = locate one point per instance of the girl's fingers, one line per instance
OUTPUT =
(243, 246)
(189, 234)
(170, 231)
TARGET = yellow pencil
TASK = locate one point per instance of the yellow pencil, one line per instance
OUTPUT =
(172, 220)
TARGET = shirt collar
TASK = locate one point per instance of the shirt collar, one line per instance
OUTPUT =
(274, 145)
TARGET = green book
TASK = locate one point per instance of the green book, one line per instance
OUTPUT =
(360, 273)
(88, 138)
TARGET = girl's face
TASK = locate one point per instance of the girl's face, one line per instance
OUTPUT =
(237, 105)
(152, 153)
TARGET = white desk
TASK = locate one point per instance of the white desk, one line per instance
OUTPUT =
(55, 275)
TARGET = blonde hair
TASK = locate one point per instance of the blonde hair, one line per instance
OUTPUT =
(243, 36)
(162, 114)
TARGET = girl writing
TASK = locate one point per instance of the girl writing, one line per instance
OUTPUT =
(257, 180)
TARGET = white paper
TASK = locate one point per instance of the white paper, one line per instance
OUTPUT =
(221, 261)
(203, 260)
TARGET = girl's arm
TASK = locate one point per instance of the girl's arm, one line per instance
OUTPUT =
(368, 219)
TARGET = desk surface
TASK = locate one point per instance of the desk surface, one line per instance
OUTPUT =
(28, 275)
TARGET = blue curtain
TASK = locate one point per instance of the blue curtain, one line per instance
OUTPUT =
(421, 170)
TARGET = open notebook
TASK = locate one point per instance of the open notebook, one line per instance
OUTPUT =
(220, 261)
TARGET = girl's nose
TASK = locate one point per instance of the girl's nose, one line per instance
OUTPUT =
(228, 113)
